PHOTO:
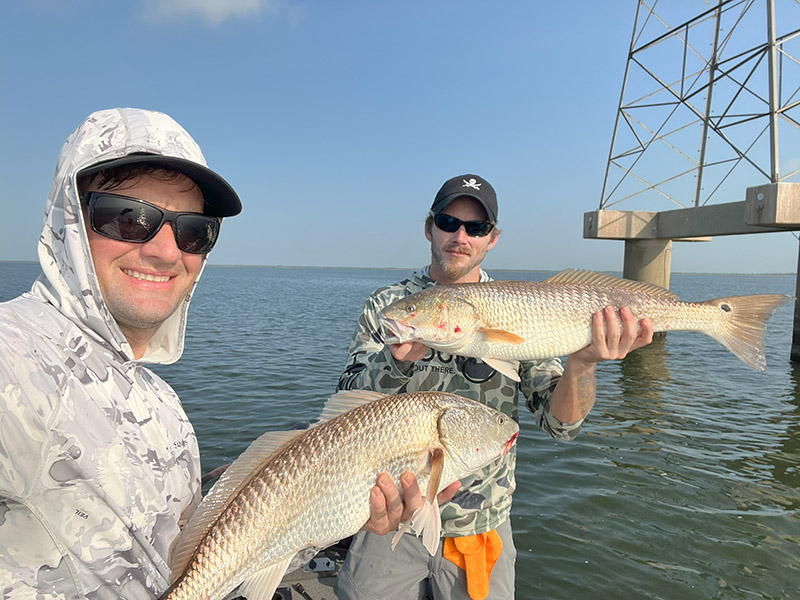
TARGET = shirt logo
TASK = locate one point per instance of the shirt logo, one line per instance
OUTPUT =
(472, 183)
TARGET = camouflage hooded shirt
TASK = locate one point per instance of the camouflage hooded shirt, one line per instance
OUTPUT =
(98, 461)
(484, 500)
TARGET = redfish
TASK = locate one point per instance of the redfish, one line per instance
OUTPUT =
(504, 322)
(291, 494)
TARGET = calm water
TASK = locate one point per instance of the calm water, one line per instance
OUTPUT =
(684, 483)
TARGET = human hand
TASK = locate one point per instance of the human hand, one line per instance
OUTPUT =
(408, 351)
(609, 341)
(388, 509)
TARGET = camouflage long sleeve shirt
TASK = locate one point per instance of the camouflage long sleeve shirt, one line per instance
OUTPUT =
(98, 461)
(484, 500)
(98, 464)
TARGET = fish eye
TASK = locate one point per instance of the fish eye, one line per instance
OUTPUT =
(501, 420)
(411, 308)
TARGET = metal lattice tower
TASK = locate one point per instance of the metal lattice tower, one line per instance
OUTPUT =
(708, 107)
(709, 110)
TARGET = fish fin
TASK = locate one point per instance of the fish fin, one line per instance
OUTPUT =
(745, 329)
(603, 279)
(509, 368)
(437, 466)
(262, 585)
(500, 336)
(399, 533)
(427, 522)
(426, 519)
(235, 477)
(346, 400)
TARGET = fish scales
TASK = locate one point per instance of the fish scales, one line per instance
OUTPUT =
(313, 490)
(504, 322)
(554, 319)
(276, 501)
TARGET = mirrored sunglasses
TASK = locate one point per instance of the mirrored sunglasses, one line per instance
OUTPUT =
(132, 220)
(473, 228)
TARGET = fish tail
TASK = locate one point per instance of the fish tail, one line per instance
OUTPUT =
(744, 330)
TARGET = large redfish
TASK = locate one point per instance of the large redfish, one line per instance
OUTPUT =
(291, 494)
(504, 322)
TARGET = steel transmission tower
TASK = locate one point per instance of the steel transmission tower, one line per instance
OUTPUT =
(708, 107)
(709, 110)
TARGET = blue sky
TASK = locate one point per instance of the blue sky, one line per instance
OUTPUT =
(338, 121)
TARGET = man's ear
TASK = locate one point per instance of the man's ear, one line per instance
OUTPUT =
(495, 237)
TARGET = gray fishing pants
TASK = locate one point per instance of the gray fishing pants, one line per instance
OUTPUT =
(372, 571)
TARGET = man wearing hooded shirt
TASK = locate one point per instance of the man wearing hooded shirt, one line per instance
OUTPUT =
(476, 557)
(99, 465)
(98, 461)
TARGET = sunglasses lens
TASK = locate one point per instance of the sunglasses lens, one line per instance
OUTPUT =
(131, 220)
(451, 224)
(446, 223)
(477, 228)
(196, 233)
(124, 219)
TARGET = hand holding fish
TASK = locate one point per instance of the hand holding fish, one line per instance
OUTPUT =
(408, 351)
(613, 338)
(388, 508)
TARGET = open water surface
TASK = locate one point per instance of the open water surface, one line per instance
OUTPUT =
(683, 485)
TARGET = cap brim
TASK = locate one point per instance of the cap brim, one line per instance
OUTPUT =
(220, 198)
(442, 203)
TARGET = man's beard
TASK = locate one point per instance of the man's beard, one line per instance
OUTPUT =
(455, 269)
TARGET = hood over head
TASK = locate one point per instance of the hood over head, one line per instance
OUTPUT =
(69, 282)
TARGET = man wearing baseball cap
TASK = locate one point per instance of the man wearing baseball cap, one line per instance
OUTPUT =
(475, 559)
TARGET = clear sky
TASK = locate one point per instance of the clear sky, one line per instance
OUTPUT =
(338, 121)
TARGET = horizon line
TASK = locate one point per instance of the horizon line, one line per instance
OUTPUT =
(35, 262)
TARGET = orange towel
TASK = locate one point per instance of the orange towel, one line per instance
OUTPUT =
(476, 554)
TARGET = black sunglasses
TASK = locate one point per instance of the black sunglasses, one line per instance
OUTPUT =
(133, 220)
(473, 228)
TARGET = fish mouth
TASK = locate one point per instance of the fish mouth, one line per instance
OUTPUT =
(397, 332)
(509, 444)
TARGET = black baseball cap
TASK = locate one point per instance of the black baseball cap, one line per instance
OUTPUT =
(469, 185)
(220, 198)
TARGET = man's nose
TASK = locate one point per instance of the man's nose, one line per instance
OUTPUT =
(461, 234)
(163, 245)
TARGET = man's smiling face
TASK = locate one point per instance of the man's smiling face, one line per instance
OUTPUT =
(144, 283)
